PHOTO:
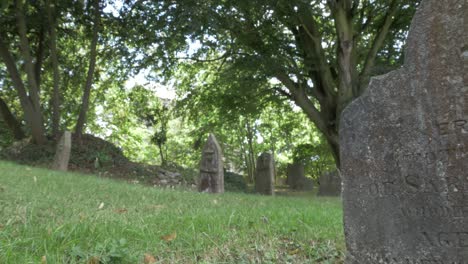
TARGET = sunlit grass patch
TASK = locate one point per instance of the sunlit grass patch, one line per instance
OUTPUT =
(72, 218)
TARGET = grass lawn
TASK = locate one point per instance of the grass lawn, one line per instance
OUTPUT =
(53, 217)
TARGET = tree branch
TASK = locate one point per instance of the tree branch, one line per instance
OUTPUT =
(377, 44)
(28, 64)
(13, 71)
(55, 66)
(33, 117)
(89, 78)
(39, 57)
(314, 50)
(222, 57)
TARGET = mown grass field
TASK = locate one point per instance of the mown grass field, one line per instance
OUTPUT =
(53, 217)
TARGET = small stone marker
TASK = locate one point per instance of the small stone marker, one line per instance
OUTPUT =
(211, 167)
(329, 184)
(62, 154)
(404, 150)
(265, 174)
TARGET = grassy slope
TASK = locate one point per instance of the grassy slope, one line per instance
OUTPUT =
(71, 218)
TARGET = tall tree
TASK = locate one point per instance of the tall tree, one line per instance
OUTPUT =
(29, 98)
(322, 52)
(89, 78)
(52, 25)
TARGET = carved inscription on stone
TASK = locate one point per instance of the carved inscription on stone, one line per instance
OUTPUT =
(404, 150)
(452, 127)
(211, 167)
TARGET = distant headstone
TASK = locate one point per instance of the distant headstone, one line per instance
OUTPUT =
(211, 167)
(296, 178)
(306, 184)
(62, 153)
(265, 174)
(404, 150)
(329, 184)
(295, 174)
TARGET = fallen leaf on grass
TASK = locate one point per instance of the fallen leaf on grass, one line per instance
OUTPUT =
(101, 206)
(82, 216)
(44, 260)
(170, 237)
(1, 226)
(149, 259)
(293, 252)
(93, 260)
(121, 210)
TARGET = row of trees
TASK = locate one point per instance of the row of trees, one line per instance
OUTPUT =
(238, 61)
(54, 53)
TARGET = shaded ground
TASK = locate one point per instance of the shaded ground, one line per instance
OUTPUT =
(93, 155)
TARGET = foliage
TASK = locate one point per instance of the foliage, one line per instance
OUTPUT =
(234, 182)
(317, 159)
(261, 75)
(6, 138)
(321, 53)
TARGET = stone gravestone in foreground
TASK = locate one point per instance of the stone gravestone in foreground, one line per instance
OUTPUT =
(62, 153)
(211, 167)
(265, 174)
(404, 150)
(329, 184)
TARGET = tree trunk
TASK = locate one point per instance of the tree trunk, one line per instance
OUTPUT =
(55, 66)
(11, 121)
(252, 155)
(163, 161)
(33, 117)
(89, 79)
(39, 57)
(31, 103)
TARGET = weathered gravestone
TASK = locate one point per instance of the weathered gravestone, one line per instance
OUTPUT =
(62, 153)
(296, 178)
(404, 150)
(295, 174)
(265, 174)
(211, 167)
(329, 184)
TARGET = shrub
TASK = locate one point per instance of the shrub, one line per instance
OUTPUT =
(234, 182)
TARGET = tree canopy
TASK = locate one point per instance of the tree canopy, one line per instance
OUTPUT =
(263, 75)
(321, 53)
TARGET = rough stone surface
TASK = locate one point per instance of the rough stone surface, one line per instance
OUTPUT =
(329, 184)
(211, 167)
(404, 150)
(265, 174)
(62, 154)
